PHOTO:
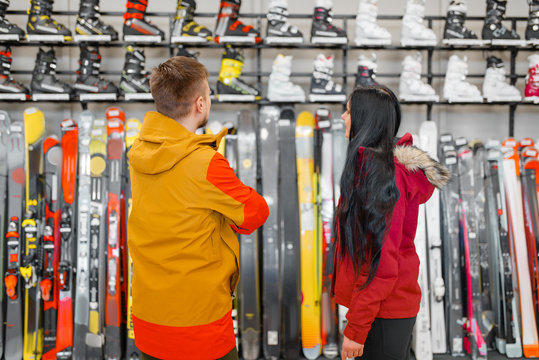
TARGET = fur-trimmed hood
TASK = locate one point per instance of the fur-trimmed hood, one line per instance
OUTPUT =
(413, 159)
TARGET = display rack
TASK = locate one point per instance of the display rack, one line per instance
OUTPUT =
(344, 48)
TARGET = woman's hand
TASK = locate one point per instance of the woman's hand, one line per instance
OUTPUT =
(351, 349)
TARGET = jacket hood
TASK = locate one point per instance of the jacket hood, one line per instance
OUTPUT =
(414, 159)
(163, 142)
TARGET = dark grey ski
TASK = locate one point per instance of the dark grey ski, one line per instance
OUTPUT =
(289, 230)
(12, 279)
(271, 249)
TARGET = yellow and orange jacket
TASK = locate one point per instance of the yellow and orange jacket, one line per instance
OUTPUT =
(187, 207)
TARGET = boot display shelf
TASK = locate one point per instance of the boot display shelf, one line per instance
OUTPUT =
(260, 18)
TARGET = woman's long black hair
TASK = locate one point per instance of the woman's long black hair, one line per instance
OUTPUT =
(368, 189)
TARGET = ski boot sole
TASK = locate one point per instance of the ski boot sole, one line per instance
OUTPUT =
(414, 98)
(143, 38)
(92, 38)
(328, 40)
(48, 38)
(51, 97)
(372, 42)
(498, 98)
(418, 42)
(463, 42)
(327, 97)
(283, 40)
(236, 98)
(237, 40)
(189, 40)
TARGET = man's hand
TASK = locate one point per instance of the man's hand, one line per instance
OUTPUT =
(351, 349)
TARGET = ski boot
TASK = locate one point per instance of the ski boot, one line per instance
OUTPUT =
(7, 84)
(366, 70)
(532, 30)
(493, 30)
(455, 33)
(41, 27)
(229, 85)
(90, 26)
(495, 88)
(229, 29)
(456, 88)
(411, 88)
(531, 92)
(322, 30)
(44, 79)
(368, 32)
(137, 28)
(8, 31)
(185, 29)
(280, 88)
(279, 30)
(323, 88)
(414, 32)
(88, 79)
(135, 80)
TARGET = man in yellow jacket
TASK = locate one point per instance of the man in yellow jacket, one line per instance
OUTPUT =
(187, 207)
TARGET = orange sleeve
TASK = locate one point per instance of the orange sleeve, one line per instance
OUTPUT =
(229, 196)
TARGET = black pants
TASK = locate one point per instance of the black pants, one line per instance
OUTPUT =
(389, 339)
(232, 355)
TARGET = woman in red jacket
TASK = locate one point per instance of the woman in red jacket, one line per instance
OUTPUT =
(376, 265)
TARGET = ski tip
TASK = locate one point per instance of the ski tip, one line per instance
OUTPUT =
(312, 353)
(531, 351)
(305, 118)
(34, 125)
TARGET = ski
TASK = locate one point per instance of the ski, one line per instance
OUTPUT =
(271, 248)
(249, 285)
(36, 341)
(324, 158)
(428, 134)
(98, 167)
(4, 148)
(13, 346)
(64, 333)
(289, 225)
(487, 324)
(451, 246)
(310, 287)
(474, 343)
(115, 155)
(511, 168)
(82, 284)
(132, 129)
(508, 336)
(51, 245)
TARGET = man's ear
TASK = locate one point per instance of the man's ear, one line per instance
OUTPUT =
(199, 104)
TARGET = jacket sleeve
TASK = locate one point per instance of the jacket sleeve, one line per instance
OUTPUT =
(229, 196)
(365, 302)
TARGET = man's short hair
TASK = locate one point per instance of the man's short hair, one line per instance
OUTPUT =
(176, 83)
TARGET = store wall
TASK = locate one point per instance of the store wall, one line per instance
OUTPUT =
(471, 120)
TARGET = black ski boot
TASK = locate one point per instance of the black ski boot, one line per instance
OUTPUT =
(7, 84)
(323, 31)
(44, 76)
(454, 26)
(184, 52)
(279, 28)
(41, 23)
(322, 85)
(532, 30)
(89, 23)
(366, 71)
(8, 29)
(134, 78)
(88, 79)
(493, 29)
(136, 23)
(185, 29)
(230, 29)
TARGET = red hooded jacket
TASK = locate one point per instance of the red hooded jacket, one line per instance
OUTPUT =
(394, 292)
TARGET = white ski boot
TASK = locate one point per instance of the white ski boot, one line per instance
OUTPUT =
(280, 88)
(368, 32)
(323, 88)
(456, 88)
(366, 70)
(495, 88)
(414, 32)
(279, 30)
(411, 88)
